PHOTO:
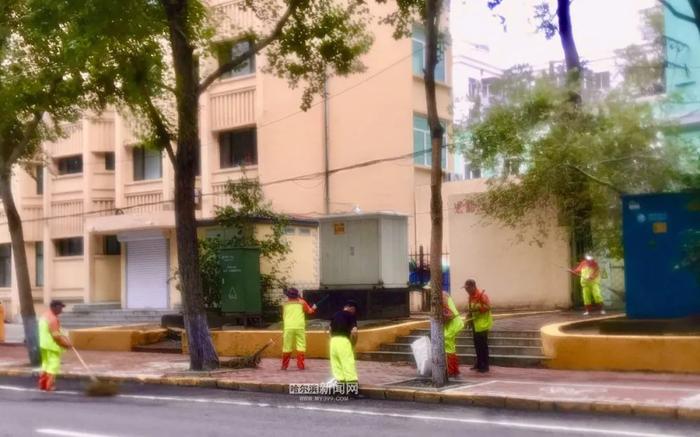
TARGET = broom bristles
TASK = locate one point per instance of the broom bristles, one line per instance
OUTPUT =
(101, 388)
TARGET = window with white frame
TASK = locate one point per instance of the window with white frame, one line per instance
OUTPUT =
(148, 164)
(5, 265)
(69, 246)
(39, 262)
(238, 148)
(70, 165)
(418, 52)
(231, 52)
(472, 171)
(473, 87)
(422, 147)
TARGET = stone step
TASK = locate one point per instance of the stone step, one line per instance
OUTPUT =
(89, 307)
(495, 360)
(496, 341)
(492, 334)
(495, 350)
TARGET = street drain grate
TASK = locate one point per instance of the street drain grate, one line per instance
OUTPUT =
(427, 384)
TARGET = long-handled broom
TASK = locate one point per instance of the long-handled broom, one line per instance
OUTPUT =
(96, 387)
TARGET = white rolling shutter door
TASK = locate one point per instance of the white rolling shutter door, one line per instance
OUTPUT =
(147, 273)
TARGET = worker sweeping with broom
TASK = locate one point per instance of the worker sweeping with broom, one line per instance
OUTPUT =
(294, 312)
(589, 272)
(52, 343)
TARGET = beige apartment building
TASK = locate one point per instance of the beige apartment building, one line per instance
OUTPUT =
(98, 216)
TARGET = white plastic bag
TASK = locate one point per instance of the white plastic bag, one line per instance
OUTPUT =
(422, 355)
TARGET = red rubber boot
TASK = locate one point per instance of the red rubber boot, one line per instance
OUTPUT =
(300, 361)
(286, 356)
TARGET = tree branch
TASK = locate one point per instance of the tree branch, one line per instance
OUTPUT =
(595, 179)
(29, 131)
(163, 135)
(676, 12)
(230, 65)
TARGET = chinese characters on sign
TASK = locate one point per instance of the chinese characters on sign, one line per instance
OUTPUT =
(466, 206)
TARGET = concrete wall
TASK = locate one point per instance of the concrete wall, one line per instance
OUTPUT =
(514, 273)
(107, 286)
(658, 353)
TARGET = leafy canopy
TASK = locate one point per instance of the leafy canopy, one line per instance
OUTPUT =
(547, 156)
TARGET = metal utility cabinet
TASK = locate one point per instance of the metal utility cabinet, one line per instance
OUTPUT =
(362, 250)
(657, 230)
(364, 257)
(240, 284)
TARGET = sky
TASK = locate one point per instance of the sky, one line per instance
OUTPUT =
(600, 27)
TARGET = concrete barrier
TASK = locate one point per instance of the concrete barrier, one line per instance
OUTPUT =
(116, 338)
(583, 351)
(246, 342)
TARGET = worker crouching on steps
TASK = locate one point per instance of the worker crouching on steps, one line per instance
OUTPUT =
(294, 312)
(453, 326)
(52, 343)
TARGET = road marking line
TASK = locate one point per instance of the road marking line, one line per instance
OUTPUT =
(68, 433)
(566, 384)
(499, 423)
(468, 386)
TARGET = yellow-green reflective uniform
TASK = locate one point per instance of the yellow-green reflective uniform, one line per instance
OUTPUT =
(343, 359)
(452, 327)
(590, 286)
(50, 350)
(294, 327)
(483, 321)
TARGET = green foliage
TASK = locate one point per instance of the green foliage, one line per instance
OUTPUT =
(211, 272)
(249, 208)
(551, 157)
(325, 37)
(643, 65)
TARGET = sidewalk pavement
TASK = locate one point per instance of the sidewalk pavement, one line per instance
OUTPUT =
(647, 394)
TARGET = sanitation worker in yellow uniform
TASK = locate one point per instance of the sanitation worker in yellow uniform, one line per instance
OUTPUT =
(343, 331)
(481, 323)
(589, 271)
(52, 343)
(453, 325)
(294, 312)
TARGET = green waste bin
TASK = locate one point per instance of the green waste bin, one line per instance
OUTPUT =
(240, 282)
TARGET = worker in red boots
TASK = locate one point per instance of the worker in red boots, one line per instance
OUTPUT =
(294, 312)
(453, 326)
(52, 342)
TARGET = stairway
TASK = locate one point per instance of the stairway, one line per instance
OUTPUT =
(95, 315)
(506, 348)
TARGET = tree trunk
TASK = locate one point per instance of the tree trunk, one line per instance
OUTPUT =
(695, 6)
(202, 353)
(573, 61)
(26, 301)
(437, 336)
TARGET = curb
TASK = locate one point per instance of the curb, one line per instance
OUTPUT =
(378, 392)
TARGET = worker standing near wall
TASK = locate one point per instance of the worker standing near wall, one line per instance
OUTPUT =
(52, 343)
(589, 271)
(294, 312)
(481, 324)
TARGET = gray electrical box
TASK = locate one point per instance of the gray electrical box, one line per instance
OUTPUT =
(364, 250)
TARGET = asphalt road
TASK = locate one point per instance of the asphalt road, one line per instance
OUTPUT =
(173, 412)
